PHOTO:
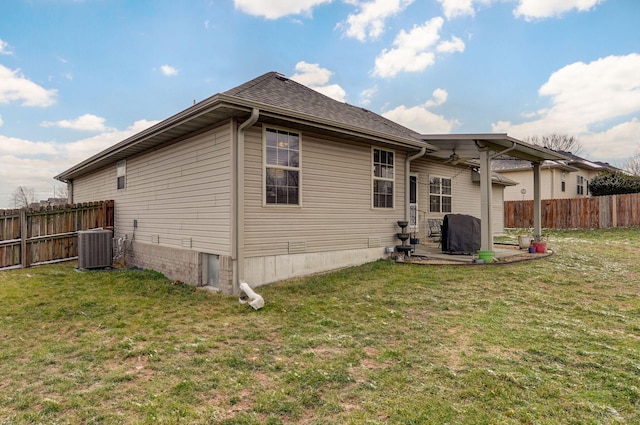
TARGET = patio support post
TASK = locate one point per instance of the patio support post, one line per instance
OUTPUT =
(537, 215)
(486, 230)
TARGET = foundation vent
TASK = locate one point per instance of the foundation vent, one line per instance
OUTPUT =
(297, 247)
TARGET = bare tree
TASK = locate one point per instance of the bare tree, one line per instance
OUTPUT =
(632, 165)
(62, 192)
(556, 142)
(24, 196)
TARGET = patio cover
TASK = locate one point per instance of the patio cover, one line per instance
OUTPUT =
(484, 148)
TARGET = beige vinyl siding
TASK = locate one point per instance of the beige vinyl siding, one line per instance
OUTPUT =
(497, 209)
(336, 200)
(466, 193)
(550, 184)
(525, 181)
(180, 194)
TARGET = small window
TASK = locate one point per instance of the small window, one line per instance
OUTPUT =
(440, 195)
(563, 184)
(121, 173)
(580, 188)
(282, 167)
(383, 178)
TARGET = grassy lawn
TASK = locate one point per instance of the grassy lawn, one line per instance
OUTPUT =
(549, 341)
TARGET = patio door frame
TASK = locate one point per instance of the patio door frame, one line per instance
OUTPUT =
(413, 206)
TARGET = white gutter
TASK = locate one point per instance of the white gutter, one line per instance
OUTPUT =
(407, 182)
(239, 225)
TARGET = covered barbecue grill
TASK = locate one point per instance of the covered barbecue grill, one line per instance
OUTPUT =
(460, 234)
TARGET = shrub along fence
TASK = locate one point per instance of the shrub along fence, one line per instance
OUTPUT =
(576, 213)
(49, 234)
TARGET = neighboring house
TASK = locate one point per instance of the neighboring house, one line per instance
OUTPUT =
(558, 179)
(271, 180)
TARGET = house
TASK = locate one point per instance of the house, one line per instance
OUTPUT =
(271, 180)
(560, 179)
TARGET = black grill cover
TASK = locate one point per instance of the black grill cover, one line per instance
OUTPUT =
(460, 234)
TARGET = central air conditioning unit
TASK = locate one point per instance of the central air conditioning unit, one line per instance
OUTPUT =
(95, 249)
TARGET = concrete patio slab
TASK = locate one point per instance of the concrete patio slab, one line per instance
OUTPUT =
(430, 252)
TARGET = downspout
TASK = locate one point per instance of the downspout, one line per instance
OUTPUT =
(513, 146)
(239, 218)
(407, 182)
(70, 191)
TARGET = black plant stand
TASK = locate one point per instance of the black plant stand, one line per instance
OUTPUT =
(404, 236)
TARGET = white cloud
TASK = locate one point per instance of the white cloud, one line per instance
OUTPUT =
(537, 9)
(86, 122)
(619, 142)
(439, 97)
(32, 164)
(451, 46)
(455, 8)
(29, 172)
(168, 70)
(410, 53)
(16, 146)
(1, 122)
(15, 87)
(367, 94)
(420, 119)
(4, 48)
(584, 98)
(369, 21)
(275, 9)
(317, 78)
(82, 149)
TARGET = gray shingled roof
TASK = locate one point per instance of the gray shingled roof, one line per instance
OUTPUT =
(280, 100)
(273, 89)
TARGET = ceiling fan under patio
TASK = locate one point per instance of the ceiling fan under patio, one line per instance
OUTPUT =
(455, 159)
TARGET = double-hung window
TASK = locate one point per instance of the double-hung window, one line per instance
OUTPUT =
(580, 188)
(439, 194)
(121, 174)
(383, 178)
(282, 167)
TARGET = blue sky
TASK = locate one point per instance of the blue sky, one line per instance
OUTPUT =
(77, 76)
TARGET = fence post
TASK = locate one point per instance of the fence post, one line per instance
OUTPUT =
(614, 211)
(24, 247)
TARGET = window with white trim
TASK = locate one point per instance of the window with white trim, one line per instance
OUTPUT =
(281, 167)
(580, 188)
(121, 174)
(563, 178)
(383, 178)
(439, 194)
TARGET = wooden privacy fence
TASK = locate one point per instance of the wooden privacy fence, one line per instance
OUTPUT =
(576, 213)
(36, 236)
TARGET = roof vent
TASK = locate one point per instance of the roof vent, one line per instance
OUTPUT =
(95, 249)
(281, 77)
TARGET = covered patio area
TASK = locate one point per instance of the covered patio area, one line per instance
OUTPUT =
(480, 150)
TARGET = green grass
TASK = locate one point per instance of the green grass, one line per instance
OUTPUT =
(548, 341)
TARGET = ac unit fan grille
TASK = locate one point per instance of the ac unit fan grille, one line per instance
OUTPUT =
(95, 249)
